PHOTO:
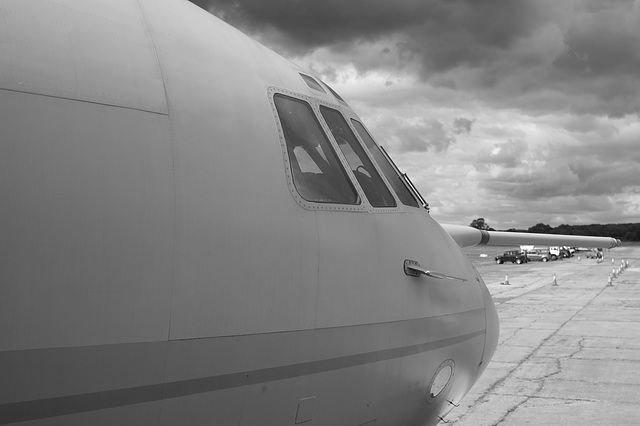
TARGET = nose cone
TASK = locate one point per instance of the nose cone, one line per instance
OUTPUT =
(492, 328)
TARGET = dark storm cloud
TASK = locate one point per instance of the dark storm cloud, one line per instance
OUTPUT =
(462, 125)
(307, 25)
(444, 33)
(578, 56)
(602, 41)
(601, 61)
(469, 33)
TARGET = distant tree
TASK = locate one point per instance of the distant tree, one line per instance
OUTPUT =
(564, 229)
(541, 228)
(477, 223)
(480, 223)
(633, 234)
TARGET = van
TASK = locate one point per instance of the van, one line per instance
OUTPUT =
(539, 253)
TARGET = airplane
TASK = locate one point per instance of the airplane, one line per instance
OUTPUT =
(195, 230)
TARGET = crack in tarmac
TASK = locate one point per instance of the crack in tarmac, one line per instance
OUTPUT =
(531, 355)
(516, 390)
(539, 381)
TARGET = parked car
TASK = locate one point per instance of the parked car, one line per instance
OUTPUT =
(539, 254)
(513, 256)
(553, 252)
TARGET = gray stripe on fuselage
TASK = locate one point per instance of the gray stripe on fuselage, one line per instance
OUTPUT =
(73, 404)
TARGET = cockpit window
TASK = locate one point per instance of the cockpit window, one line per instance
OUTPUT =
(387, 168)
(311, 82)
(362, 167)
(335, 94)
(317, 173)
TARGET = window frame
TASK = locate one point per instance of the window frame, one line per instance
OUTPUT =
(365, 152)
(312, 205)
(312, 83)
(421, 203)
(315, 103)
(350, 115)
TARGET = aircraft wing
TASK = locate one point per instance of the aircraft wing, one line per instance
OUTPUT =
(467, 236)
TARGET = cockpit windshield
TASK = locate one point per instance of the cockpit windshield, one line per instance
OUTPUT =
(317, 173)
(394, 178)
(363, 169)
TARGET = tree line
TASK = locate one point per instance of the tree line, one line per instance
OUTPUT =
(621, 231)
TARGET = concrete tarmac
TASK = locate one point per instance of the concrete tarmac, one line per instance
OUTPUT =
(568, 354)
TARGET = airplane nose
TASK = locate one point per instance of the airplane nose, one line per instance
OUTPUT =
(492, 328)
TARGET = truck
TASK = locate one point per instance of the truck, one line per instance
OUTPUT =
(562, 252)
(513, 256)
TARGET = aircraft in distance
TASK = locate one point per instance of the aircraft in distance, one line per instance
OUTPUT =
(194, 230)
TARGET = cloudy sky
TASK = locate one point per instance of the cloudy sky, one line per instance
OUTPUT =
(518, 111)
